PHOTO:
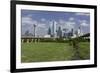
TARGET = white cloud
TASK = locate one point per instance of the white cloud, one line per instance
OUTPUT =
(62, 21)
(43, 19)
(41, 25)
(82, 14)
(70, 25)
(84, 23)
(71, 18)
(41, 29)
(28, 20)
(67, 24)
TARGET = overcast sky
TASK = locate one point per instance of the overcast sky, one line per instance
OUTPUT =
(43, 19)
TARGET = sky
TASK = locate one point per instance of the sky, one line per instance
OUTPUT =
(43, 20)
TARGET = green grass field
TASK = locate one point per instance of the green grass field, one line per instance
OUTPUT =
(51, 51)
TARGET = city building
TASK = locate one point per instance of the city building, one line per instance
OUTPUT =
(53, 29)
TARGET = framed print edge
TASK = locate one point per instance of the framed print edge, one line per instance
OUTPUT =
(13, 36)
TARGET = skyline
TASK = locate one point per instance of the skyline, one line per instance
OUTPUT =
(44, 19)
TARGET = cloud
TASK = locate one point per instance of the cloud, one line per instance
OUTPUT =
(43, 19)
(82, 14)
(61, 21)
(41, 29)
(41, 25)
(67, 24)
(84, 23)
(28, 20)
(27, 24)
(70, 25)
(71, 18)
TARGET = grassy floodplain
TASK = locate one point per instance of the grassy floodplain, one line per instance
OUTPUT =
(51, 51)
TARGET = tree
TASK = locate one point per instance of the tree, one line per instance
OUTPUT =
(76, 48)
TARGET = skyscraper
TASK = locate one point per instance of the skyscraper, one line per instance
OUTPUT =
(79, 31)
(53, 29)
(59, 32)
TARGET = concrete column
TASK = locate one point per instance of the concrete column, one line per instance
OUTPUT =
(22, 40)
(27, 40)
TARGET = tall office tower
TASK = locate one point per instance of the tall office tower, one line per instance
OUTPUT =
(79, 31)
(72, 32)
(53, 29)
(59, 32)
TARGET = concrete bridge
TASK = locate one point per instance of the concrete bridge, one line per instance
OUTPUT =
(29, 39)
